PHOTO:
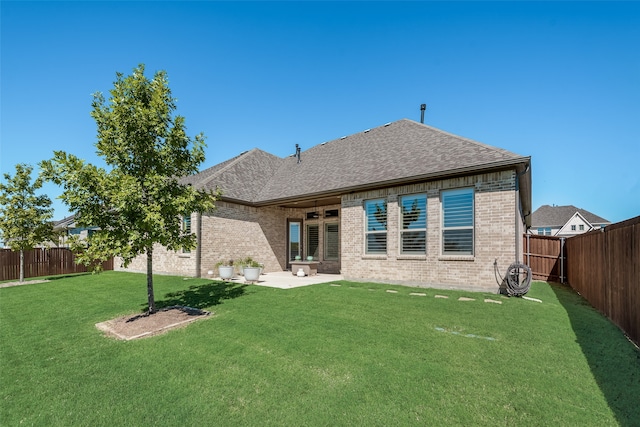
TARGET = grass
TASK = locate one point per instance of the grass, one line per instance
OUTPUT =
(352, 354)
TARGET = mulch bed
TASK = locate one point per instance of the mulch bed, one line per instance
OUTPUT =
(134, 326)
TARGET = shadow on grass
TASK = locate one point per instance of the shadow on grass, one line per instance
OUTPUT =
(68, 275)
(202, 296)
(613, 360)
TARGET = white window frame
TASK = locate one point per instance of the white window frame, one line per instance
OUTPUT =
(403, 231)
(368, 232)
(443, 196)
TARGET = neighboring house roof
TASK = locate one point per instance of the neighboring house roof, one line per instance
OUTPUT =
(557, 216)
(399, 152)
(68, 222)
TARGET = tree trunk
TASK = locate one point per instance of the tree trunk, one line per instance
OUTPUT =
(21, 265)
(152, 303)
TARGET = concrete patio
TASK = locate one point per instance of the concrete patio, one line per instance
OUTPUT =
(286, 280)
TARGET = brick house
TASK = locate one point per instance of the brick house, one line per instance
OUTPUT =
(403, 203)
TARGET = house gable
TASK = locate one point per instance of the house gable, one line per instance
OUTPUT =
(560, 218)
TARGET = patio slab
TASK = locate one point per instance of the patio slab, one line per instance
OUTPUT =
(286, 280)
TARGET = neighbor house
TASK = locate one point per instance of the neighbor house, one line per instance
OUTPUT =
(67, 227)
(404, 203)
(564, 221)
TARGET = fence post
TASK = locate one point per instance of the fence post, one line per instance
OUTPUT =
(562, 259)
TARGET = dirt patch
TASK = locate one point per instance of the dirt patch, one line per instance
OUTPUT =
(133, 326)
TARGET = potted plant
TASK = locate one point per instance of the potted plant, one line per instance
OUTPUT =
(225, 269)
(251, 269)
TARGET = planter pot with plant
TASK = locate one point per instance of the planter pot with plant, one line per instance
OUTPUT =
(225, 269)
(251, 269)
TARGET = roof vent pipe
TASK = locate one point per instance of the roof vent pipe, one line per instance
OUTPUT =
(422, 108)
(298, 152)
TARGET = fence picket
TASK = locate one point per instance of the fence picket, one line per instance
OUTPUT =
(41, 262)
(604, 267)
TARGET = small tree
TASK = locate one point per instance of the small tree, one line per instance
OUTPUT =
(25, 218)
(140, 201)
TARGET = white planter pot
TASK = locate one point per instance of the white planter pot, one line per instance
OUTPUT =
(251, 274)
(225, 271)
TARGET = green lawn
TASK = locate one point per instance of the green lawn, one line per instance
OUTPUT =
(353, 354)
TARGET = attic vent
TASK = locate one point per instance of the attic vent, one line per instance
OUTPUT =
(324, 143)
(387, 124)
(366, 130)
(244, 152)
(343, 137)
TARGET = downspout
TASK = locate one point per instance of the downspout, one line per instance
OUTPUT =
(199, 245)
(517, 213)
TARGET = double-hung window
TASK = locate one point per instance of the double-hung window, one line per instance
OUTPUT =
(413, 219)
(457, 221)
(375, 226)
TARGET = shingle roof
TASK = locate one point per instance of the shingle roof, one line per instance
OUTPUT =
(557, 216)
(241, 178)
(396, 152)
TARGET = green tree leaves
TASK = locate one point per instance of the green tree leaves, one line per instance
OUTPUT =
(25, 218)
(139, 200)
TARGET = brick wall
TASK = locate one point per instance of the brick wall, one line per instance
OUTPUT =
(164, 261)
(494, 228)
(235, 231)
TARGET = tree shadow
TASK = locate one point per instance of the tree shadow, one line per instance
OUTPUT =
(201, 296)
(67, 276)
(614, 361)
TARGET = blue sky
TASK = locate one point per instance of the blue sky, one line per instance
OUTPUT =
(559, 82)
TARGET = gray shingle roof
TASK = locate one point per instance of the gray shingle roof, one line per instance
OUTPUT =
(557, 216)
(397, 152)
(241, 178)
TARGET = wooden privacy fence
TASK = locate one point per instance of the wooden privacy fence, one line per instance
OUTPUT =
(546, 256)
(41, 262)
(604, 267)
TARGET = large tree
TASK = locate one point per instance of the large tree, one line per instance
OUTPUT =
(25, 218)
(138, 201)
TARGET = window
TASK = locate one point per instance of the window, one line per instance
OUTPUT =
(457, 222)
(544, 231)
(295, 238)
(376, 226)
(413, 217)
(581, 227)
(331, 242)
(573, 228)
(186, 229)
(312, 240)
